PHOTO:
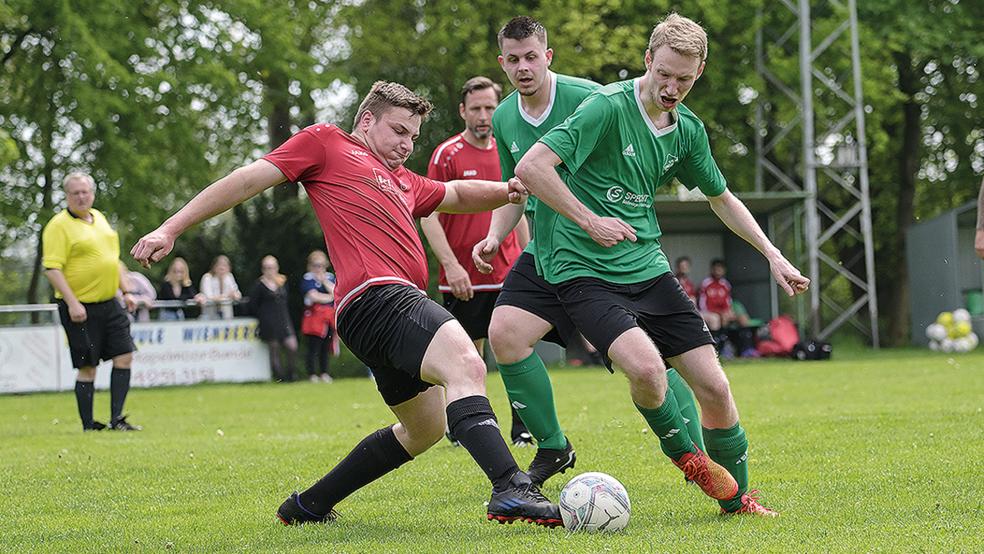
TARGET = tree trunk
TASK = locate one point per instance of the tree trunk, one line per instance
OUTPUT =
(278, 128)
(48, 151)
(897, 311)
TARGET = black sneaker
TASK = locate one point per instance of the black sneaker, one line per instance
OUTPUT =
(523, 501)
(96, 426)
(292, 513)
(549, 462)
(121, 424)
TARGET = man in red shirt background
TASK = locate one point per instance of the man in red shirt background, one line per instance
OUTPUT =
(468, 293)
(683, 276)
(715, 299)
(366, 202)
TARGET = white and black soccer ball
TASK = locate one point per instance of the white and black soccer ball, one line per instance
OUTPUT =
(594, 502)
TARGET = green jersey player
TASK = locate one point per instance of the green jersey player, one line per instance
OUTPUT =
(528, 309)
(599, 171)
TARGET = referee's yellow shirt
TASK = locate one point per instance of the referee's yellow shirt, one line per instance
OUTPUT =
(87, 253)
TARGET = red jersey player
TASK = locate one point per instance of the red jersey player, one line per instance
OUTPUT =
(468, 293)
(366, 202)
(715, 299)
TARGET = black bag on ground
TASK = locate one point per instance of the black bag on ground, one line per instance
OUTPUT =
(812, 350)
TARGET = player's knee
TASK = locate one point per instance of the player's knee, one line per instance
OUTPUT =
(506, 343)
(649, 380)
(469, 370)
(86, 374)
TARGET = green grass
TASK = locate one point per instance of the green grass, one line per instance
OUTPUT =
(882, 452)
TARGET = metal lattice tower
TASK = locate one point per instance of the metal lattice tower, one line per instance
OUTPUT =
(827, 160)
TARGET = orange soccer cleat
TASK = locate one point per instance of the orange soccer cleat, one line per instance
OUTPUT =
(750, 505)
(713, 479)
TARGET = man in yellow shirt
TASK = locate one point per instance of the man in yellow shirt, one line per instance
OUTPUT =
(81, 255)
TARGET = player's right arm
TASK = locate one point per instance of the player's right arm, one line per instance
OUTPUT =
(235, 188)
(76, 311)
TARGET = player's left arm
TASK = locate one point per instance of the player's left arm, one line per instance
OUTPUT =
(736, 216)
(473, 195)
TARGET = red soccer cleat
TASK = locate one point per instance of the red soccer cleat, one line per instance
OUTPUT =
(713, 479)
(750, 505)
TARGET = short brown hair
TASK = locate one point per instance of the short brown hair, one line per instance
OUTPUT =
(522, 27)
(479, 83)
(684, 36)
(384, 95)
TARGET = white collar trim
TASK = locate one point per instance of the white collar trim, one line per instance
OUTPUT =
(645, 116)
(537, 121)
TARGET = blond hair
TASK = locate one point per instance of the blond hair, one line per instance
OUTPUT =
(317, 256)
(172, 278)
(683, 35)
(385, 95)
(279, 278)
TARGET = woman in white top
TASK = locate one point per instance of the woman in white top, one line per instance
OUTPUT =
(220, 289)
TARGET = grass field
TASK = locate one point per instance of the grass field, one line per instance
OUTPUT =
(883, 452)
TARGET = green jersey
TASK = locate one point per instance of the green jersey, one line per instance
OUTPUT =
(516, 131)
(613, 160)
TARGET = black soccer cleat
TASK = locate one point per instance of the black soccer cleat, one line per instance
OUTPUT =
(96, 426)
(121, 424)
(549, 462)
(292, 513)
(451, 439)
(523, 501)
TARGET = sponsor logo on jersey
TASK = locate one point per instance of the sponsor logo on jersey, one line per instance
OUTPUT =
(670, 160)
(619, 195)
(357, 152)
(629, 151)
(469, 173)
(513, 148)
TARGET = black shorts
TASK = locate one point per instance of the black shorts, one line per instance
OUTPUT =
(525, 289)
(475, 314)
(389, 328)
(660, 307)
(104, 334)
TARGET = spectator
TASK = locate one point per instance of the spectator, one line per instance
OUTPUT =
(715, 299)
(81, 255)
(683, 275)
(268, 302)
(220, 289)
(177, 285)
(318, 324)
(141, 292)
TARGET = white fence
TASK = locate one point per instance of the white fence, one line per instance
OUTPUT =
(36, 358)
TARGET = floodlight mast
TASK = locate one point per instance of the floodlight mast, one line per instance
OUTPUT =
(827, 163)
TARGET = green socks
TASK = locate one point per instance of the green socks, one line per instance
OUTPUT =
(729, 447)
(667, 423)
(531, 393)
(688, 405)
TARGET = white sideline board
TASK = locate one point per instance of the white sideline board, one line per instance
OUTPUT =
(36, 359)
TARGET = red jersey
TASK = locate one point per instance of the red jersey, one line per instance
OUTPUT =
(367, 211)
(688, 286)
(453, 159)
(715, 295)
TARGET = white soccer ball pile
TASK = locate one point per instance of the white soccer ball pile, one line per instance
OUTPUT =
(594, 502)
(952, 332)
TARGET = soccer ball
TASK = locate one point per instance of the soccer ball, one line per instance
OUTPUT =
(945, 319)
(594, 502)
(960, 315)
(936, 332)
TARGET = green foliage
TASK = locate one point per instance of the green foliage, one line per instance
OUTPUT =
(869, 453)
